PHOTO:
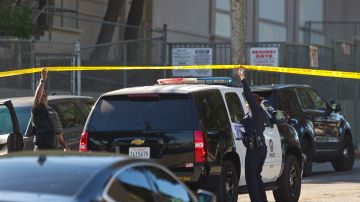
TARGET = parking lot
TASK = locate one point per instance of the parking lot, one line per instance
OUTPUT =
(327, 185)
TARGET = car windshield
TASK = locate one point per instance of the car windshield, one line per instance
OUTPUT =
(124, 114)
(23, 115)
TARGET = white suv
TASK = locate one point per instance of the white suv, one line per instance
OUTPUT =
(193, 128)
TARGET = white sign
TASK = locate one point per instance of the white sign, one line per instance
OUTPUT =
(264, 56)
(314, 56)
(192, 56)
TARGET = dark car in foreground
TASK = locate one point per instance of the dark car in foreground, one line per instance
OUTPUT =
(58, 176)
(324, 133)
(72, 110)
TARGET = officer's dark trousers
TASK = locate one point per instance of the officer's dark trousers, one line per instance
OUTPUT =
(254, 162)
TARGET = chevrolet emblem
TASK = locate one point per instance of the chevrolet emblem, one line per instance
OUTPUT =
(137, 142)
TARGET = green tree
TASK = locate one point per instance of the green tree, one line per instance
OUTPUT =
(16, 21)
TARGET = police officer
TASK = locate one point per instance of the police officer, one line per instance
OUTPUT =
(48, 128)
(254, 142)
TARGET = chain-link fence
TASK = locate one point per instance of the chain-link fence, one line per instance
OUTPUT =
(19, 54)
(15, 54)
(142, 52)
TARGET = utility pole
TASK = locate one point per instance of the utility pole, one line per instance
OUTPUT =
(238, 31)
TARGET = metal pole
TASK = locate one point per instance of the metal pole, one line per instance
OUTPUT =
(78, 64)
(125, 63)
(33, 59)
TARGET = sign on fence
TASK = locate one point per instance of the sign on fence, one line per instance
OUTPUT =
(264, 56)
(192, 56)
(314, 56)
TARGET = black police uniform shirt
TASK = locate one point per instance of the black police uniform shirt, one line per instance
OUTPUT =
(254, 121)
(47, 126)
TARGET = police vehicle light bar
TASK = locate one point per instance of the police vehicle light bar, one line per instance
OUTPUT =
(203, 80)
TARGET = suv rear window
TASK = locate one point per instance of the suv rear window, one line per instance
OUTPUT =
(160, 113)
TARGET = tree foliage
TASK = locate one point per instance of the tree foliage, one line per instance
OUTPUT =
(16, 21)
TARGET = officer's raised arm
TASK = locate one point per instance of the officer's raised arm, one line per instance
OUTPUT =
(248, 95)
(40, 89)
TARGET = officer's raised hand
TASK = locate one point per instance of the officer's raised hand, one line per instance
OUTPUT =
(241, 73)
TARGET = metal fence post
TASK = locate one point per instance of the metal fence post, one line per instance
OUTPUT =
(33, 64)
(78, 64)
(125, 63)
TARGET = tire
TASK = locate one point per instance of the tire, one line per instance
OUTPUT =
(307, 153)
(346, 158)
(228, 187)
(289, 183)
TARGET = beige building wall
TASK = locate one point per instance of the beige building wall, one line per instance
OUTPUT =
(187, 20)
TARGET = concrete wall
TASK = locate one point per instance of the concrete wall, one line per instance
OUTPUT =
(187, 20)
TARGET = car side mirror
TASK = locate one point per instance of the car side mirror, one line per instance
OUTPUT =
(205, 196)
(336, 107)
(278, 117)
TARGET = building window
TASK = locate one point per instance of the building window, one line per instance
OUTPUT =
(222, 5)
(310, 10)
(273, 10)
(222, 18)
(272, 32)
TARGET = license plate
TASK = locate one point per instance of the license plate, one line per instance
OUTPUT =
(139, 152)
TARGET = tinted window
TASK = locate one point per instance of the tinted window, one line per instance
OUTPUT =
(131, 185)
(27, 175)
(23, 115)
(318, 101)
(235, 108)
(166, 112)
(287, 100)
(169, 188)
(213, 112)
(69, 114)
(6, 125)
(305, 99)
(88, 107)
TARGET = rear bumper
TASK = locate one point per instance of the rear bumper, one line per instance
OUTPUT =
(199, 178)
(194, 176)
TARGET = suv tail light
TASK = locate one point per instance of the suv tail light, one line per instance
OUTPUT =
(200, 146)
(83, 147)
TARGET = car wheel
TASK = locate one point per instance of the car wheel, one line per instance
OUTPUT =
(307, 157)
(289, 183)
(228, 188)
(345, 161)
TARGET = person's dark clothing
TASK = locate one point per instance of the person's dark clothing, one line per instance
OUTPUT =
(254, 121)
(44, 120)
(255, 157)
(254, 162)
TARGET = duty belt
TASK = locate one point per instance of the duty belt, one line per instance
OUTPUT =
(254, 141)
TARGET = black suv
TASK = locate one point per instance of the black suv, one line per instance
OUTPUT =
(193, 129)
(324, 133)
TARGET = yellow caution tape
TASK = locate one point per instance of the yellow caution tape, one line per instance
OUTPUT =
(288, 70)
